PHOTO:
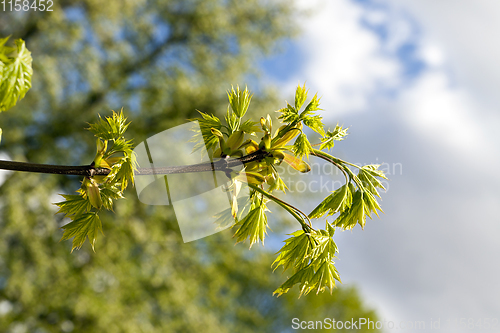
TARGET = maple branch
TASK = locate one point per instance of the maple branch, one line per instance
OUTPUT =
(223, 164)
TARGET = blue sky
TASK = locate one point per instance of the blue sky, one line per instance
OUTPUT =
(416, 82)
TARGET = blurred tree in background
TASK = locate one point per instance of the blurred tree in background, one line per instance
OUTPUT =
(160, 60)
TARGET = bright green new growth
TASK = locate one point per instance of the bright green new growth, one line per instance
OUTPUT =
(114, 153)
(15, 73)
(310, 252)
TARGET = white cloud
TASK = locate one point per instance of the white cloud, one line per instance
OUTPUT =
(468, 32)
(344, 59)
(442, 114)
(431, 54)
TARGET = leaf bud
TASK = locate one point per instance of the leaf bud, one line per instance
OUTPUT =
(235, 140)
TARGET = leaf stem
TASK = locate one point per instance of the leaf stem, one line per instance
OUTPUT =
(335, 161)
(289, 208)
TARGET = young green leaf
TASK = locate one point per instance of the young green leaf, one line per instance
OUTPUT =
(325, 276)
(231, 120)
(289, 115)
(295, 252)
(250, 127)
(239, 100)
(312, 106)
(355, 214)
(276, 183)
(74, 205)
(122, 172)
(328, 140)
(338, 201)
(325, 248)
(110, 192)
(300, 96)
(303, 277)
(363, 204)
(203, 131)
(315, 123)
(110, 128)
(302, 146)
(367, 174)
(253, 226)
(15, 74)
(83, 226)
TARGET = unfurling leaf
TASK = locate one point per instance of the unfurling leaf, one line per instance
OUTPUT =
(110, 128)
(315, 123)
(203, 136)
(302, 277)
(302, 146)
(239, 100)
(83, 226)
(289, 115)
(312, 106)
(338, 201)
(74, 205)
(363, 204)
(92, 192)
(253, 226)
(15, 73)
(367, 174)
(328, 140)
(295, 252)
(250, 127)
(235, 140)
(279, 142)
(311, 257)
(300, 97)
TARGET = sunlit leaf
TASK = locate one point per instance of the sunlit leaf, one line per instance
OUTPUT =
(315, 123)
(295, 252)
(289, 114)
(328, 140)
(338, 201)
(300, 96)
(302, 146)
(239, 100)
(253, 226)
(110, 128)
(74, 205)
(312, 106)
(250, 127)
(83, 226)
(15, 75)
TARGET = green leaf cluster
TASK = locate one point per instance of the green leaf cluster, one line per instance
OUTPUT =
(114, 152)
(310, 257)
(328, 140)
(339, 201)
(355, 200)
(291, 116)
(253, 226)
(239, 100)
(310, 252)
(204, 136)
(15, 73)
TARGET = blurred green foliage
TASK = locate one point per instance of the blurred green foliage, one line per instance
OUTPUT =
(160, 60)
